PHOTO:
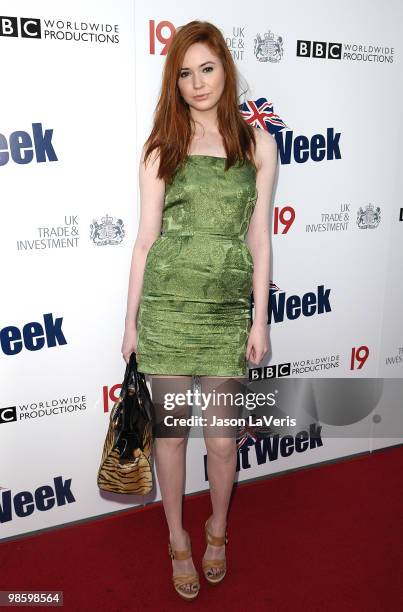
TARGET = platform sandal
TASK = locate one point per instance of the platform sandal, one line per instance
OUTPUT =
(184, 579)
(209, 564)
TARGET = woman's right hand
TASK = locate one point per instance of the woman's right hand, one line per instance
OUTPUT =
(129, 343)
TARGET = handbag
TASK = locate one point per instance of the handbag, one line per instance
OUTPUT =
(126, 457)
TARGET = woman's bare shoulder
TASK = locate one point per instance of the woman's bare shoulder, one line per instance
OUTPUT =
(266, 146)
(152, 158)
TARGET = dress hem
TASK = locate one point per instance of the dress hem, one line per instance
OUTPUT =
(187, 372)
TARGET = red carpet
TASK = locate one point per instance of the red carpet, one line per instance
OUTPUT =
(322, 538)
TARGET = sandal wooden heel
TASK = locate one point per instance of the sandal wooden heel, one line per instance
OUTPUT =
(208, 564)
(184, 579)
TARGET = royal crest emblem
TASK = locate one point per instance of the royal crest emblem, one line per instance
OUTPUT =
(369, 217)
(269, 48)
(109, 231)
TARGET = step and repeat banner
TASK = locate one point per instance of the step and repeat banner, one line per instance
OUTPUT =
(80, 84)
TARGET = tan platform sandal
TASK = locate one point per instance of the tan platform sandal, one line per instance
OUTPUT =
(184, 579)
(208, 564)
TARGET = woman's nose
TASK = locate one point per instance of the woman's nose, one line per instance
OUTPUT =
(197, 81)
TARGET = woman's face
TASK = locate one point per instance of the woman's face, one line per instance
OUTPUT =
(201, 78)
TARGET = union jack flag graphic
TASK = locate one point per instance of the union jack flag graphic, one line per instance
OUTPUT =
(260, 114)
(249, 434)
(273, 287)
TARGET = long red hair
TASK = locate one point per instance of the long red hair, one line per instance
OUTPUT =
(172, 130)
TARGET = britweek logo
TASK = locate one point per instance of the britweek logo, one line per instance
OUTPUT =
(33, 336)
(274, 446)
(44, 498)
(300, 148)
(291, 147)
(22, 148)
(292, 307)
(281, 307)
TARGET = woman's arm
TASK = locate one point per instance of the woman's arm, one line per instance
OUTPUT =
(258, 240)
(152, 192)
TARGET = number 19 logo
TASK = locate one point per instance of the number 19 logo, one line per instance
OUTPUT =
(359, 355)
(155, 32)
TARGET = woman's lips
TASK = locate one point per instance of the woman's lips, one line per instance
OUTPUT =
(200, 97)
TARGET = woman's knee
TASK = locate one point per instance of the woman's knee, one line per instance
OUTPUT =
(170, 444)
(222, 448)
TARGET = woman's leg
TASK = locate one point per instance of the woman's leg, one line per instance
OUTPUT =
(221, 452)
(169, 453)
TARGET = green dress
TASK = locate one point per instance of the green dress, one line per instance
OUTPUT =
(194, 314)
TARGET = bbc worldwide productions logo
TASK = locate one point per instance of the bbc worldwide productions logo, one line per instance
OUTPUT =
(319, 49)
(348, 51)
(8, 414)
(59, 29)
(25, 27)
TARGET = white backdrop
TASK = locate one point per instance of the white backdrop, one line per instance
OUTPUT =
(85, 90)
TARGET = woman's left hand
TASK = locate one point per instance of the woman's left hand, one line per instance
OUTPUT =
(258, 343)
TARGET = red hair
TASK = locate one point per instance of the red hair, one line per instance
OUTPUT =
(172, 131)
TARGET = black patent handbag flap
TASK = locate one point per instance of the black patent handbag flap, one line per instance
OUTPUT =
(134, 411)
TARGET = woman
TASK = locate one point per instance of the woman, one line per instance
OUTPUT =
(206, 179)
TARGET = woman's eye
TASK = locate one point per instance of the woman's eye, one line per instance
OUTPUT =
(185, 74)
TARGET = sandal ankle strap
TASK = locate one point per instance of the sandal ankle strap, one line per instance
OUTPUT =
(215, 540)
(180, 555)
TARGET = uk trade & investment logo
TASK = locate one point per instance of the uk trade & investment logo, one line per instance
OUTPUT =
(66, 234)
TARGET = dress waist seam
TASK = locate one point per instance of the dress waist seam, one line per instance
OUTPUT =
(170, 234)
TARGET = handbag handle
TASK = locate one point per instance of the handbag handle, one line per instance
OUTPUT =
(136, 373)
(138, 377)
(131, 366)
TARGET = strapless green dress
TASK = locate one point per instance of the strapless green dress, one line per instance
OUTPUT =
(194, 313)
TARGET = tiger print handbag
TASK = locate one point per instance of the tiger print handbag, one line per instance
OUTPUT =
(126, 457)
